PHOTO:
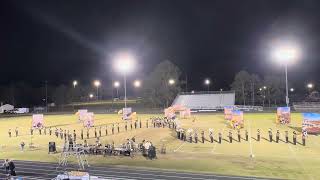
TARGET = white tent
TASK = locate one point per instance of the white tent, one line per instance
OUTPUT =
(6, 107)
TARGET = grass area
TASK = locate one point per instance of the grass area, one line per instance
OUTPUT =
(281, 160)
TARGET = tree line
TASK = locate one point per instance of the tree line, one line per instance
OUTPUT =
(253, 90)
(155, 91)
(250, 89)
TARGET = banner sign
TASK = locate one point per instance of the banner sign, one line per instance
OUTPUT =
(37, 121)
(237, 119)
(82, 114)
(283, 115)
(88, 120)
(311, 123)
(228, 112)
(126, 113)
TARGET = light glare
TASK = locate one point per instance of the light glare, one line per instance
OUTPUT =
(137, 83)
(286, 53)
(207, 81)
(97, 83)
(116, 84)
(171, 81)
(124, 62)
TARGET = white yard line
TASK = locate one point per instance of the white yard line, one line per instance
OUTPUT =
(215, 145)
(179, 147)
(251, 149)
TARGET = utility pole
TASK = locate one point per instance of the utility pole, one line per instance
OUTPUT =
(46, 85)
(252, 89)
(186, 82)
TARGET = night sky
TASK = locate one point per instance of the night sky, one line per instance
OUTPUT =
(60, 41)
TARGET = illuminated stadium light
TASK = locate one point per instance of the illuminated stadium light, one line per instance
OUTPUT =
(286, 53)
(75, 83)
(124, 63)
(137, 83)
(96, 83)
(116, 84)
(90, 96)
(171, 81)
(206, 81)
(291, 89)
(310, 85)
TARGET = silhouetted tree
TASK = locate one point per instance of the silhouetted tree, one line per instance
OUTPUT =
(156, 89)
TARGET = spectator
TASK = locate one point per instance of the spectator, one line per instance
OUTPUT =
(12, 168)
(22, 144)
(6, 165)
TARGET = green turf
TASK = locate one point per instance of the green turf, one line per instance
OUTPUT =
(271, 160)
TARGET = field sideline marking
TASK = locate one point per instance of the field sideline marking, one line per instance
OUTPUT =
(251, 150)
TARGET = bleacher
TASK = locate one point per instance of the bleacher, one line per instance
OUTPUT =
(206, 101)
(307, 106)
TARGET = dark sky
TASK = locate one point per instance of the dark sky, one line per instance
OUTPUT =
(64, 40)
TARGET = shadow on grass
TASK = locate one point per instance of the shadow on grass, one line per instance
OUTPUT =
(60, 125)
(264, 138)
(298, 129)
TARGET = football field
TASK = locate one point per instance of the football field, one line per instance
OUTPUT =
(271, 160)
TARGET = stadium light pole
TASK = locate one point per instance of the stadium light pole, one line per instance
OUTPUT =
(46, 84)
(97, 84)
(90, 96)
(263, 94)
(286, 54)
(207, 82)
(124, 63)
(310, 87)
(137, 85)
(116, 84)
(75, 83)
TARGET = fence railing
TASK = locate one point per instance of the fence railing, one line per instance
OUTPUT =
(206, 92)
